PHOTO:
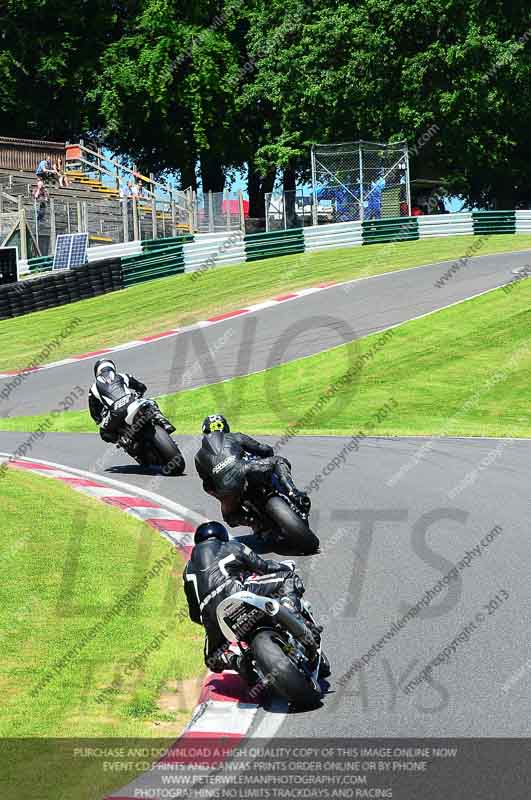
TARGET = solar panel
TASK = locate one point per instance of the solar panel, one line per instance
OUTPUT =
(8, 265)
(70, 250)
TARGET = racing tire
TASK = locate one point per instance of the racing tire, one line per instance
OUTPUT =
(297, 532)
(166, 451)
(324, 667)
(281, 674)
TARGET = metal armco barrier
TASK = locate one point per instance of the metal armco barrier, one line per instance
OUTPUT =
(488, 222)
(274, 243)
(523, 221)
(214, 250)
(337, 234)
(160, 258)
(390, 229)
(435, 225)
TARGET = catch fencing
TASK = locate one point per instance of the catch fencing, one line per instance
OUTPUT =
(360, 181)
(214, 212)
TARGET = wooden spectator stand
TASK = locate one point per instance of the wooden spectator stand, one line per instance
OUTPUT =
(23, 155)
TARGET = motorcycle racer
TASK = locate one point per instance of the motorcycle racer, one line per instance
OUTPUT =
(226, 462)
(108, 388)
(219, 567)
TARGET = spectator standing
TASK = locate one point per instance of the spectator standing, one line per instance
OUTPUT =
(374, 205)
(45, 170)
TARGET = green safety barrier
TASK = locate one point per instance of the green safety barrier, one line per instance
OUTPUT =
(390, 229)
(155, 262)
(161, 258)
(490, 222)
(40, 264)
(157, 244)
(274, 243)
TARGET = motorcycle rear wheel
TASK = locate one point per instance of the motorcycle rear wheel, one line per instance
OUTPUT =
(166, 452)
(292, 526)
(281, 673)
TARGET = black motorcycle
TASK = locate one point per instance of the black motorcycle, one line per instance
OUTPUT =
(280, 516)
(285, 655)
(143, 434)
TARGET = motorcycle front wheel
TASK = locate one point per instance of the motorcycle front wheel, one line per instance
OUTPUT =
(281, 673)
(296, 531)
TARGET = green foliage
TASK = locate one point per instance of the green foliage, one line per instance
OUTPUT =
(49, 60)
(229, 83)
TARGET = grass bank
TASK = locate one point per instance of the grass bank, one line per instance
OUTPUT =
(68, 560)
(462, 371)
(167, 303)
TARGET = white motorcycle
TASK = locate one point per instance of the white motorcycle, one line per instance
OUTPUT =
(285, 653)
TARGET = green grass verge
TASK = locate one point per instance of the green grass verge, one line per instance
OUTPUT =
(460, 371)
(67, 559)
(155, 306)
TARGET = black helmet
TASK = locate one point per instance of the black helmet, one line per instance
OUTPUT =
(215, 422)
(103, 363)
(211, 530)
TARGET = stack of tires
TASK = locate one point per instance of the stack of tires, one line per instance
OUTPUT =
(60, 288)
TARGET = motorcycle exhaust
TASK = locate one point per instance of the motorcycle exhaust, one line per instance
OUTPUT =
(295, 626)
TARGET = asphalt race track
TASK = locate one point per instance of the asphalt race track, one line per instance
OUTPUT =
(392, 520)
(276, 334)
(382, 547)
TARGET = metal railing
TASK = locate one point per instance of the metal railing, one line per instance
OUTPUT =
(117, 173)
(106, 221)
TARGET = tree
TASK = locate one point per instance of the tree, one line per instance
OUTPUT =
(222, 84)
(161, 94)
(48, 62)
(384, 69)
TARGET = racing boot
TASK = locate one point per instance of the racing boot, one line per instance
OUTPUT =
(130, 445)
(161, 420)
(244, 668)
(242, 664)
(300, 499)
(242, 516)
(293, 604)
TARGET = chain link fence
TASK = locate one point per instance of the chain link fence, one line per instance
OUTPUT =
(292, 209)
(218, 211)
(8, 222)
(360, 181)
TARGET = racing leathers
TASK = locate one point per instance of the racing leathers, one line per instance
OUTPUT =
(217, 570)
(108, 388)
(224, 466)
